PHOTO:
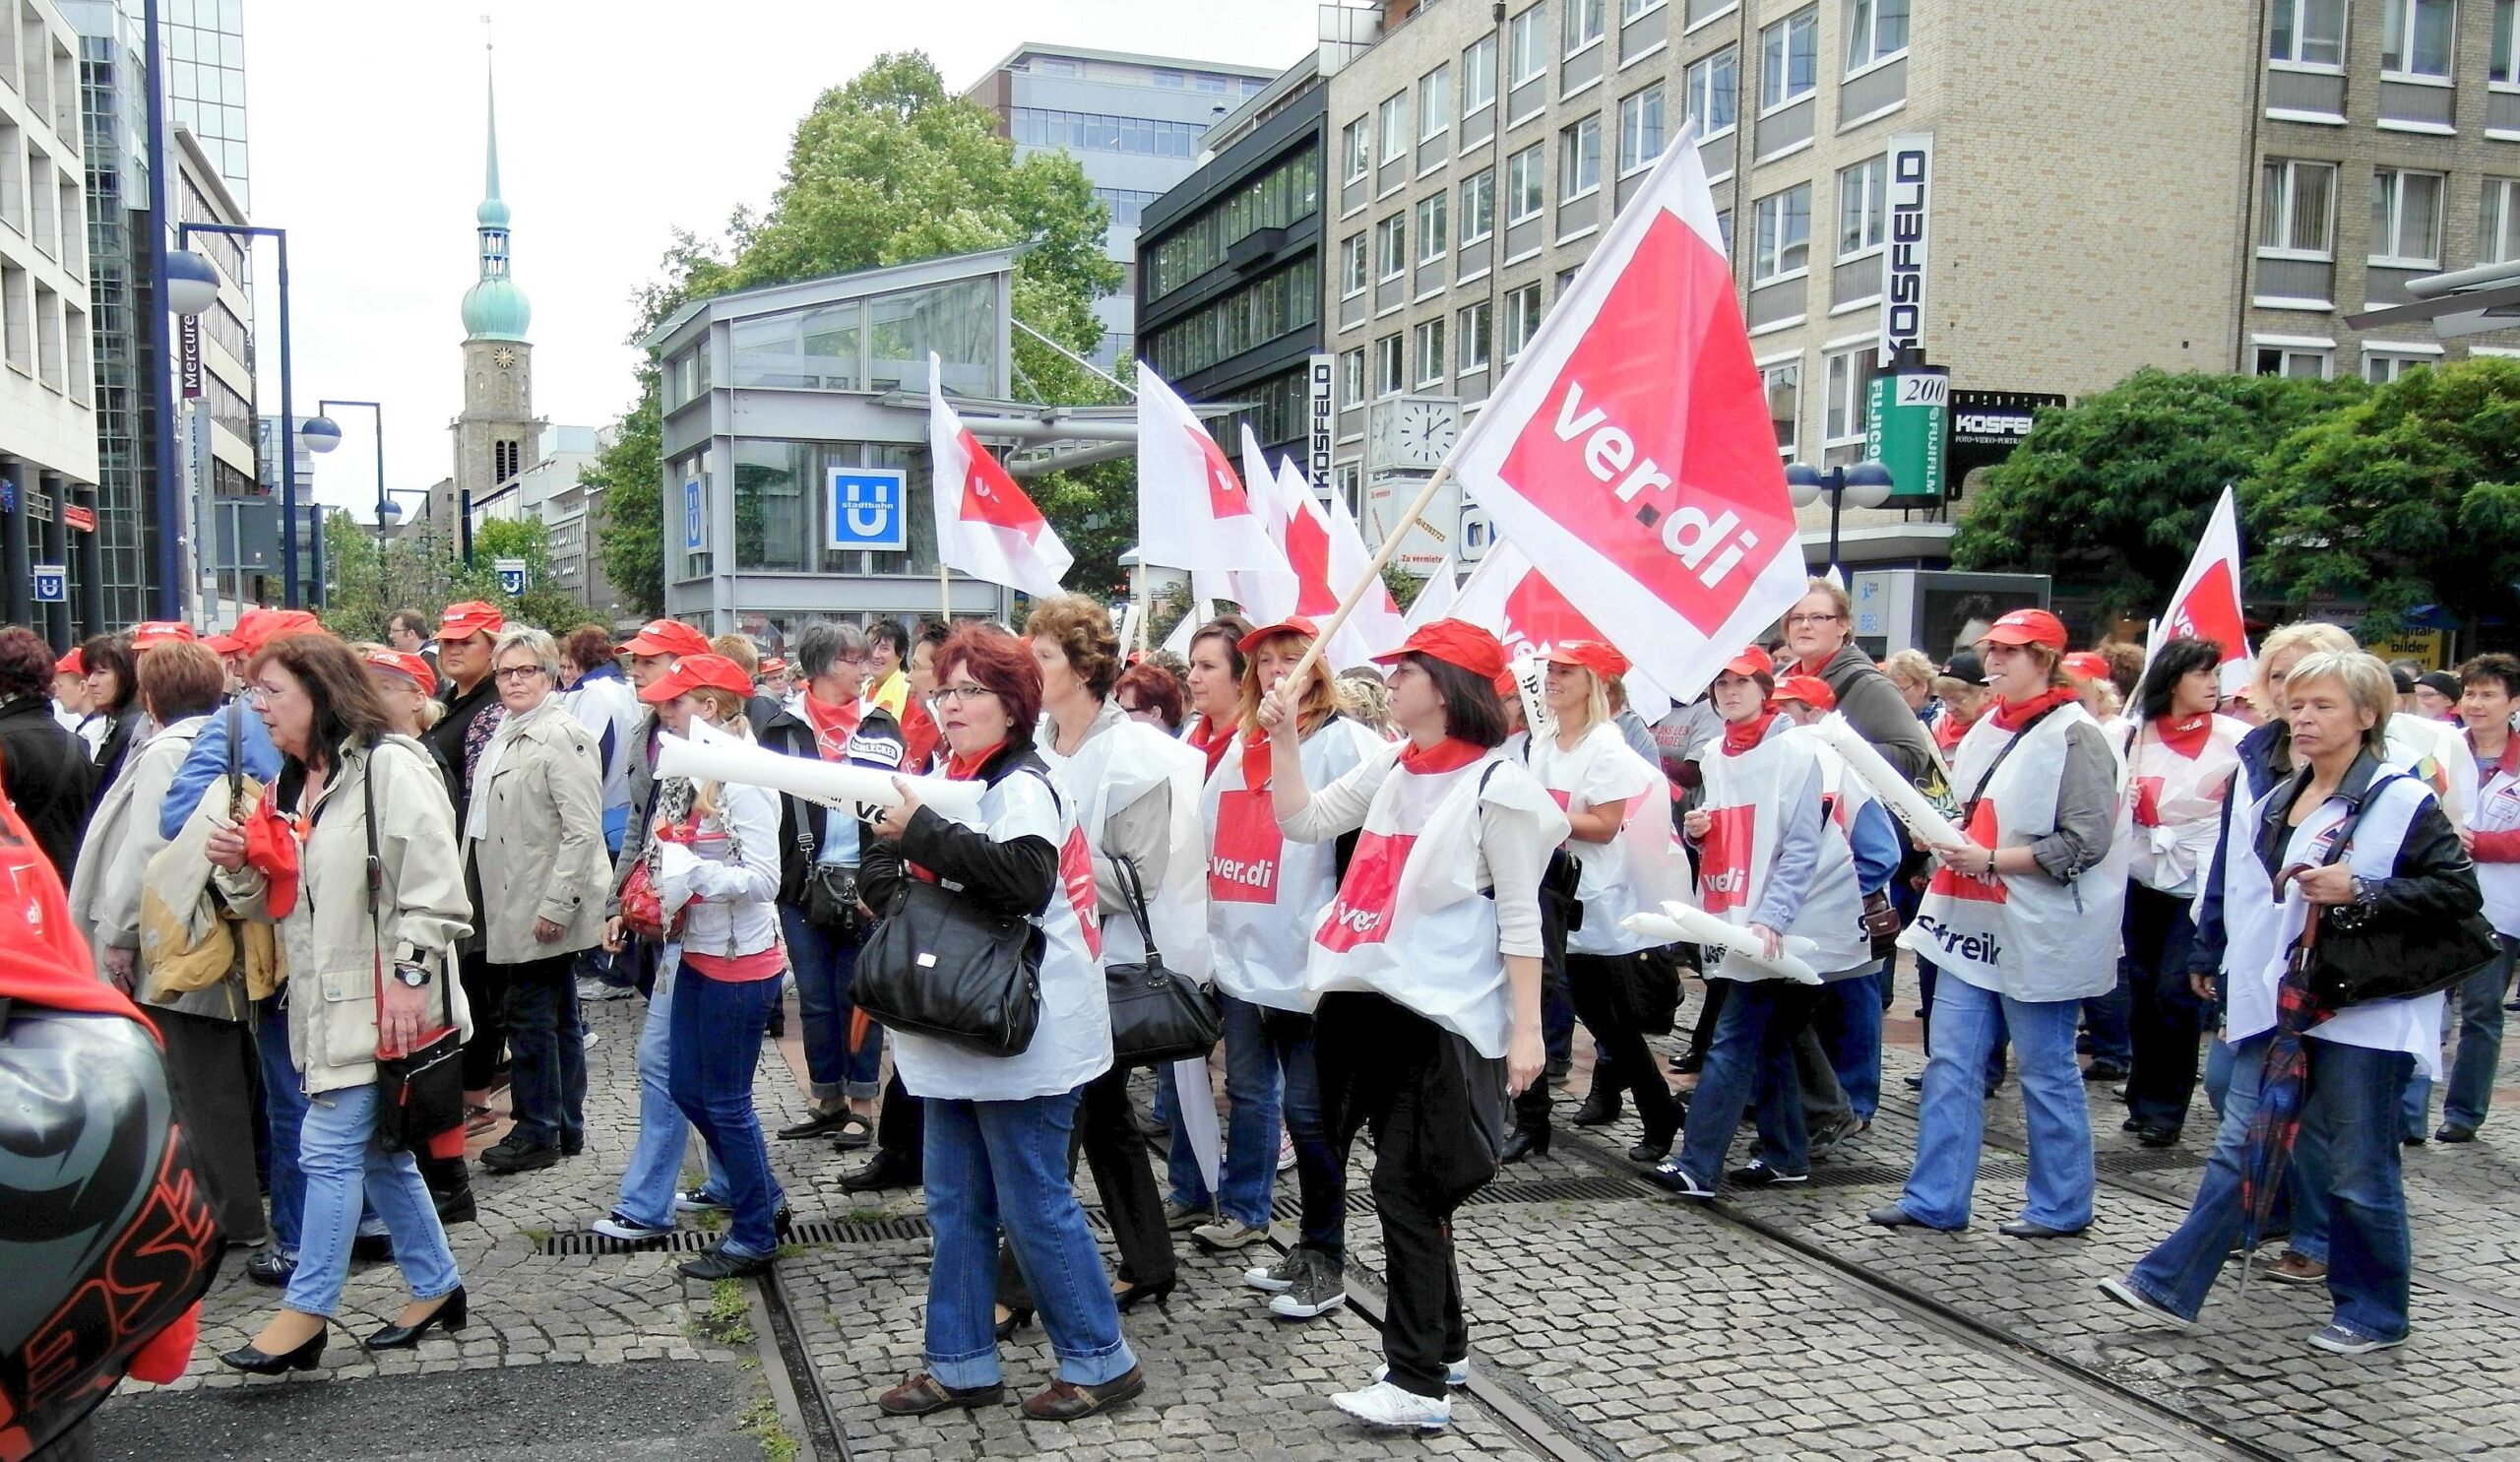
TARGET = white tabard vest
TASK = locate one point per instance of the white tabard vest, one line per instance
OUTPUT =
(1073, 1043)
(1632, 872)
(1115, 767)
(2175, 802)
(1410, 921)
(2026, 937)
(2496, 809)
(1743, 796)
(1265, 890)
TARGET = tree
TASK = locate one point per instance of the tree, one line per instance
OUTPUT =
(2407, 498)
(421, 571)
(2111, 492)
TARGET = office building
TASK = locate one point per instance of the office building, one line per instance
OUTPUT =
(1132, 122)
(557, 491)
(2108, 188)
(1230, 265)
(205, 60)
(129, 376)
(48, 389)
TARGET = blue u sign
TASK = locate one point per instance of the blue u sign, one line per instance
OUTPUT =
(694, 533)
(865, 509)
(52, 584)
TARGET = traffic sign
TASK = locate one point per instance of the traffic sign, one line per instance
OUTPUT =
(694, 520)
(512, 575)
(52, 584)
(865, 509)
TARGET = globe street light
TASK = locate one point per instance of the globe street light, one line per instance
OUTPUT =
(1864, 484)
(192, 282)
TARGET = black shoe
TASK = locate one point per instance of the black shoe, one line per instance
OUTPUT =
(252, 1362)
(1916, 1083)
(456, 1207)
(1066, 1400)
(1892, 1215)
(2412, 1139)
(570, 1147)
(820, 1124)
(2454, 1132)
(2132, 1125)
(1761, 1176)
(1600, 1109)
(1688, 1062)
(2156, 1136)
(1159, 1296)
(449, 1316)
(2025, 1229)
(720, 1264)
(267, 1267)
(885, 1172)
(1524, 1142)
(514, 1156)
(2105, 1071)
(1655, 1145)
(1016, 1319)
(372, 1249)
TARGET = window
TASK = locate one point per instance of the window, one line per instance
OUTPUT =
(1723, 229)
(1876, 30)
(2299, 208)
(1393, 120)
(1522, 186)
(2499, 221)
(1629, 10)
(1430, 338)
(1529, 38)
(1585, 20)
(2415, 37)
(1351, 378)
(1864, 207)
(2506, 20)
(1274, 199)
(1475, 325)
(2307, 33)
(1784, 385)
(1712, 89)
(1843, 411)
(1579, 159)
(1522, 319)
(1434, 237)
(2381, 366)
(1351, 266)
(1478, 75)
(1359, 148)
(1127, 204)
(2405, 218)
(1640, 130)
(1389, 368)
(1092, 132)
(2301, 362)
(1391, 246)
(1479, 207)
(1788, 59)
(1240, 320)
(1435, 102)
(1783, 243)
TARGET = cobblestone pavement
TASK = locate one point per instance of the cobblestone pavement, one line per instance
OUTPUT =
(1608, 1321)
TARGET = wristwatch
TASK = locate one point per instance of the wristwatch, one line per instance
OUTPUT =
(2363, 895)
(411, 972)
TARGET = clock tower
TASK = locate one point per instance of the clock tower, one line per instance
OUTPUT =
(497, 436)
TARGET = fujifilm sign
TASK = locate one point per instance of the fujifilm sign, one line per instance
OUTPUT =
(1903, 296)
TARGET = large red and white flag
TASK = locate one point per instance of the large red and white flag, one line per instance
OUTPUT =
(1509, 598)
(1629, 451)
(1193, 512)
(1327, 556)
(984, 523)
(2207, 605)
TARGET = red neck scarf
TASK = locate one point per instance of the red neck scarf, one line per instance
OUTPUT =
(1212, 739)
(831, 725)
(1450, 754)
(1741, 735)
(1257, 763)
(2012, 715)
(963, 768)
(2187, 737)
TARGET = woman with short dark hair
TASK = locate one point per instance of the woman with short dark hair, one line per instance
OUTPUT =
(113, 693)
(45, 769)
(1150, 694)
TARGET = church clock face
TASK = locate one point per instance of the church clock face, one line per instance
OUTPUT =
(503, 358)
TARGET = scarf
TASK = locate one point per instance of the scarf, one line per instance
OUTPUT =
(2012, 715)
(2186, 737)
(272, 848)
(1740, 736)
(1450, 754)
(504, 734)
(833, 725)
(1257, 763)
(1212, 740)
(961, 768)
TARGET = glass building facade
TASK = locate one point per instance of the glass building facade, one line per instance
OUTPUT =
(205, 61)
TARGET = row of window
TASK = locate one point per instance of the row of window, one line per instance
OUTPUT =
(1455, 345)
(1127, 204)
(2418, 39)
(2316, 361)
(2297, 214)
(1275, 199)
(1253, 315)
(1092, 132)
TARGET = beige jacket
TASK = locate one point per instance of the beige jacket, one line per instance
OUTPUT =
(542, 853)
(328, 939)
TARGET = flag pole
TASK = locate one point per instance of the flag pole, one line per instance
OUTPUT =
(945, 591)
(1391, 537)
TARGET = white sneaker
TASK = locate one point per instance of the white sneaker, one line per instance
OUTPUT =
(1455, 1373)
(1385, 1406)
(1285, 1151)
(1279, 1277)
(2142, 1304)
(700, 1200)
(618, 1224)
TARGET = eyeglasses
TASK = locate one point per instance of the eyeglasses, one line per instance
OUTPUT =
(962, 693)
(520, 672)
(261, 696)
(1792, 621)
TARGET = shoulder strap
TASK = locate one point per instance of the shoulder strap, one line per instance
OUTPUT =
(2344, 842)
(1127, 869)
(235, 758)
(1968, 809)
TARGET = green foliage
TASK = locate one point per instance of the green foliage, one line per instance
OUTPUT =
(2114, 491)
(889, 169)
(424, 572)
(2408, 496)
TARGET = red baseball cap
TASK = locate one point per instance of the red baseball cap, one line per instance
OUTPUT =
(1508, 687)
(224, 645)
(1591, 655)
(2027, 628)
(665, 637)
(156, 632)
(773, 665)
(469, 618)
(693, 672)
(256, 628)
(1292, 624)
(2086, 665)
(1753, 662)
(1811, 690)
(72, 664)
(404, 662)
(1455, 642)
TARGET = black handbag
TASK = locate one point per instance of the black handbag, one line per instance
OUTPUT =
(2354, 962)
(1158, 1015)
(831, 902)
(941, 965)
(420, 1093)
(1649, 989)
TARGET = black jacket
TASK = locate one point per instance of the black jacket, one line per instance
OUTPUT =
(876, 744)
(1873, 704)
(127, 730)
(446, 738)
(46, 774)
(1012, 877)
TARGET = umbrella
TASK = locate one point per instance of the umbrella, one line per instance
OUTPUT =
(2267, 1152)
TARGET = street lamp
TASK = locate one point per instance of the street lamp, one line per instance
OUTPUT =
(389, 511)
(1864, 484)
(323, 434)
(288, 412)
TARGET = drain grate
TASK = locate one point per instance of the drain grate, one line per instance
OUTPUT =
(808, 1233)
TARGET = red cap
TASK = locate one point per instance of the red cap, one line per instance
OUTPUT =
(1810, 691)
(1292, 624)
(1455, 642)
(470, 618)
(1591, 655)
(666, 637)
(1508, 687)
(404, 662)
(2086, 665)
(72, 664)
(693, 672)
(1753, 661)
(156, 632)
(224, 645)
(256, 628)
(773, 665)
(2027, 628)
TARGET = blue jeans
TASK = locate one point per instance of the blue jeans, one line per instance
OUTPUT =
(1556, 1020)
(284, 1110)
(2478, 1008)
(345, 1169)
(2112, 1021)
(993, 1163)
(715, 1051)
(2347, 1155)
(1251, 1095)
(1752, 1057)
(823, 964)
(1849, 1023)
(648, 1184)
(1952, 1117)
(1928, 974)
(548, 1042)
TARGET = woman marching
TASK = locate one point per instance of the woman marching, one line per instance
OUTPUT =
(1428, 968)
(2014, 921)
(2366, 850)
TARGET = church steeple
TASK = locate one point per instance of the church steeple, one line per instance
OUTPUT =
(494, 308)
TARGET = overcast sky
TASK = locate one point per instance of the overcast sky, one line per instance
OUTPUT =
(618, 121)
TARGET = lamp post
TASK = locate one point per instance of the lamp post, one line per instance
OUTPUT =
(323, 434)
(390, 511)
(287, 413)
(1864, 484)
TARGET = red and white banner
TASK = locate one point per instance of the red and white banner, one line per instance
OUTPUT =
(1629, 451)
(2207, 605)
(1327, 556)
(1193, 512)
(1509, 598)
(984, 523)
